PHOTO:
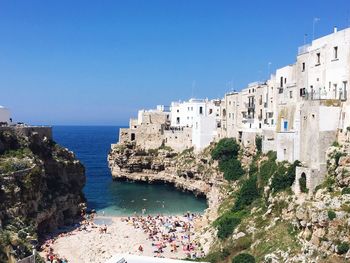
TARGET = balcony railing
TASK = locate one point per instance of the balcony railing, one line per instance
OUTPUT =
(249, 105)
(324, 95)
(303, 49)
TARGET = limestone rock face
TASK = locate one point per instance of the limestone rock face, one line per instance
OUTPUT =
(40, 187)
(188, 171)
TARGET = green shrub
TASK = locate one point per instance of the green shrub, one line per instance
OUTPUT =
(272, 155)
(335, 144)
(337, 156)
(231, 168)
(267, 169)
(243, 258)
(258, 143)
(331, 215)
(226, 224)
(345, 191)
(284, 178)
(343, 248)
(246, 194)
(253, 167)
(226, 148)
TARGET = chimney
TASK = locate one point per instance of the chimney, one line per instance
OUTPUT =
(335, 29)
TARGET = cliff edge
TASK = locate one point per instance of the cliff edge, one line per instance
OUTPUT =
(41, 189)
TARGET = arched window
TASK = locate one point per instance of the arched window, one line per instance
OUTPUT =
(302, 183)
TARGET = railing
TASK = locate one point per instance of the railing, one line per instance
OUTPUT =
(324, 95)
(249, 105)
(303, 49)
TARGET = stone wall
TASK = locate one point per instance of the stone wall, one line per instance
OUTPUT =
(285, 146)
(314, 177)
(178, 139)
(42, 131)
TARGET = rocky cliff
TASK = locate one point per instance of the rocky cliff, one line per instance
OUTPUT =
(41, 189)
(186, 171)
(252, 208)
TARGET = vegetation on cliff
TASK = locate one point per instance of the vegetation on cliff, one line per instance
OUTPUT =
(262, 218)
(41, 189)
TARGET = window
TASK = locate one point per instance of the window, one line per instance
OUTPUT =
(229, 115)
(281, 82)
(303, 67)
(178, 120)
(229, 103)
(318, 58)
(335, 52)
(290, 94)
(200, 110)
(285, 80)
(210, 111)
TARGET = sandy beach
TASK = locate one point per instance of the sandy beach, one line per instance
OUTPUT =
(158, 236)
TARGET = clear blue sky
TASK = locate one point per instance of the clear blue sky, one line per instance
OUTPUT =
(98, 62)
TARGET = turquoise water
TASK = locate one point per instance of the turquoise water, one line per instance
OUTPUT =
(91, 144)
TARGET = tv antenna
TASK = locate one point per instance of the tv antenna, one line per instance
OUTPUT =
(316, 19)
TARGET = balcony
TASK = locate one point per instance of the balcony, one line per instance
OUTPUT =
(248, 119)
(249, 105)
(324, 95)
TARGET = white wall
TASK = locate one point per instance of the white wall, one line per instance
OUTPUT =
(4, 114)
(203, 131)
(329, 118)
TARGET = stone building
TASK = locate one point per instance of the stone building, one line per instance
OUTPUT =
(186, 124)
(299, 111)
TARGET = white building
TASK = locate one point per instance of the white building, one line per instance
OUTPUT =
(5, 115)
(323, 66)
(200, 115)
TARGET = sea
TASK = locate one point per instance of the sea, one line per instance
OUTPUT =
(91, 145)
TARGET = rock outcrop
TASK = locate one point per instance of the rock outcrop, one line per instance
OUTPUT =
(41, 189)
(187, 171)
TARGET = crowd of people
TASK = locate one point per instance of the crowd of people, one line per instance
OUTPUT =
(86, 224)
(173, 233)
(170, 234)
